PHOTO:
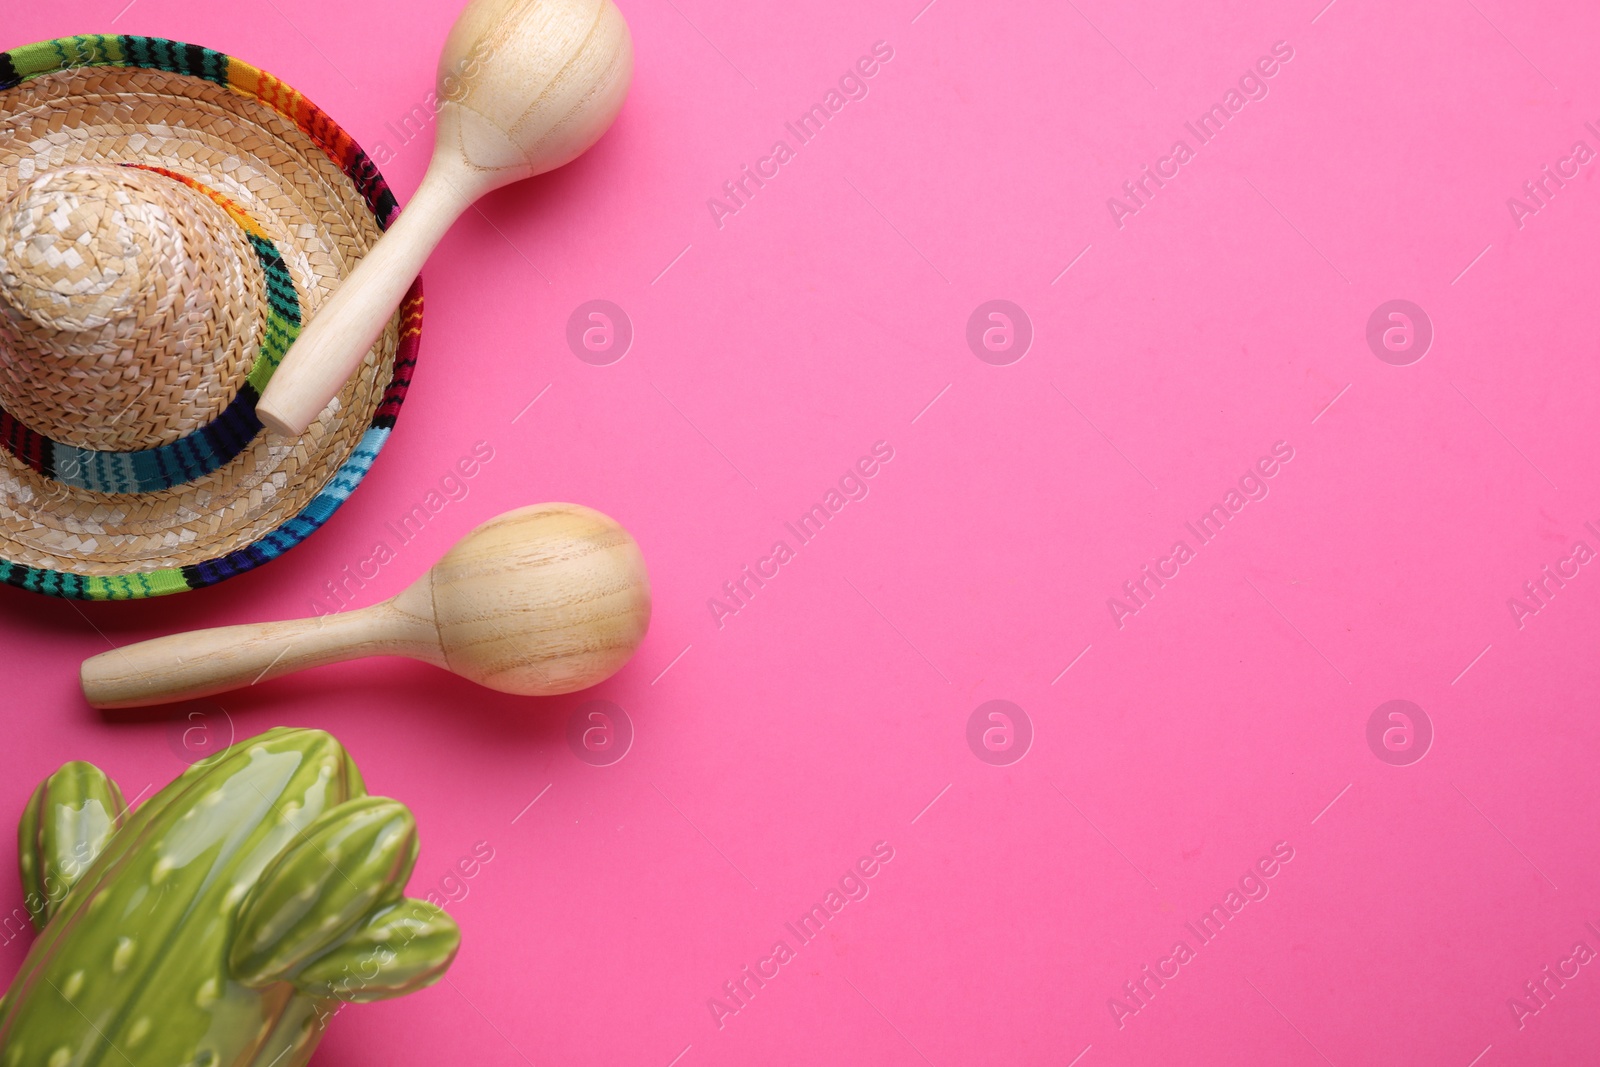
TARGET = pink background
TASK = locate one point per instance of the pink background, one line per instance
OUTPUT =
(1223, 718)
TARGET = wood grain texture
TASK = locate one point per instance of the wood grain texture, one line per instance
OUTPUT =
(527, 86)
(542, 600)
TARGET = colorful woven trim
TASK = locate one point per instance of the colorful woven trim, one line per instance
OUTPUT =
(69, 53)
(202, 451)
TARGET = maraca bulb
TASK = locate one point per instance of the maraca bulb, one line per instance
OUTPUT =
(542, 600)
(530, 85)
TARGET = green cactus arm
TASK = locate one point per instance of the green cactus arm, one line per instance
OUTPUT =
(65, 826)
(403, 948)
(351, 862)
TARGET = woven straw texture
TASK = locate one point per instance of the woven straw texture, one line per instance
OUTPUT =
(169, 217)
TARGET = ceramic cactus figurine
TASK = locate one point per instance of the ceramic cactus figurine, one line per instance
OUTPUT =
(223, 922)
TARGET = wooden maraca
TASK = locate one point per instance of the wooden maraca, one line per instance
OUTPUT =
(525, 87)
(541, 600)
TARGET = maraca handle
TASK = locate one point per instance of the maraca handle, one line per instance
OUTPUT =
(330, 347)
(185, 666)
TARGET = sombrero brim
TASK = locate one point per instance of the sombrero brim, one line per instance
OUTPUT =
(285, 170)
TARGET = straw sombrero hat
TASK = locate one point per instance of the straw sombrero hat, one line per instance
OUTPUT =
(169, 216)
